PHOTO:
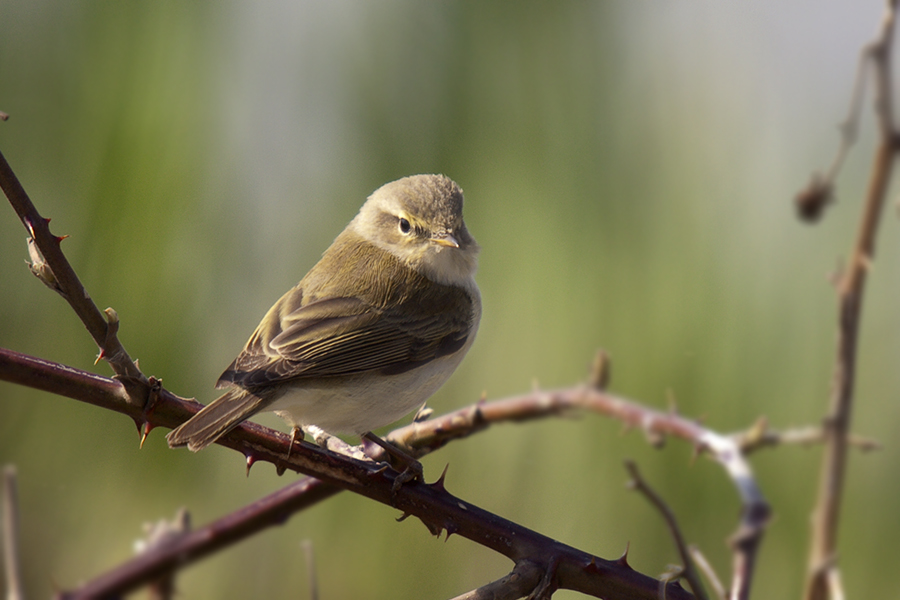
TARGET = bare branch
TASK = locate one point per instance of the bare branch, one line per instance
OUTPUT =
(812, 200)
(56, 268)
(708, 571)
(159, 535)
(689, 571)
(309, 554)
(850, 288)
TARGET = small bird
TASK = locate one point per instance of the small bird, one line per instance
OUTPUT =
(374, 328)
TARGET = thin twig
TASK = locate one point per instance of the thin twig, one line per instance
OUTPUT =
(761, 436)
(11, 563)
(819, 192)
(689, 571)
(823, 546)
(707, 570)
(311, 575)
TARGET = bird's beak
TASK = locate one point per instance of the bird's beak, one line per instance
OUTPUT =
(445, 239)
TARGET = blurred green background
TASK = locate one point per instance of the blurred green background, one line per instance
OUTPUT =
(628, 169)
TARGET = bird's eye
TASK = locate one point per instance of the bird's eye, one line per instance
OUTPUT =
(404, 225)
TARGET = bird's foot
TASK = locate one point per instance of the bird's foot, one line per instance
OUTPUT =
(412, 469)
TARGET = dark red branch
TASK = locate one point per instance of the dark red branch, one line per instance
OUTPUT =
(70, 286)
(437, 508)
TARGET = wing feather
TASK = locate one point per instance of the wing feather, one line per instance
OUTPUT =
(340, 336)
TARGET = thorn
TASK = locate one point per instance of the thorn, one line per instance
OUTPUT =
(280, 469)
(622, 561)
(46, 220)
(403, 517)
(139, 423)
(656, 439)
(476, 417)
(696, 451)
(100, 356)
(671, 401)
(439, 484)
(450, 529)
(600, 370)
(758, 430)
(60, 238)
(251, 460)
(147, 428)
(435, 530)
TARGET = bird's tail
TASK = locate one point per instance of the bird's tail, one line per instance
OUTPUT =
(216, 419)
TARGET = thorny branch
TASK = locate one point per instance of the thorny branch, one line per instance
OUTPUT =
(51, 266)
(431, 503)
(259, 443)
(850, 287)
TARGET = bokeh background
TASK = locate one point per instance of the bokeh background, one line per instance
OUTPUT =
(628, 169)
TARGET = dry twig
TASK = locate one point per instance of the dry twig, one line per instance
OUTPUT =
(850, 288)
(689, 570)
(10, 523)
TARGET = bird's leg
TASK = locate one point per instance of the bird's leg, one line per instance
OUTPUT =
(296, 432)
(413, 468)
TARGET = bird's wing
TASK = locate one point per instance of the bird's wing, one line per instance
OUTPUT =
(345, 336)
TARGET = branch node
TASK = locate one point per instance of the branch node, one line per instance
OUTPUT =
(423, 414)
(812, 200)
(159, 535)
(39, 267)
(439, 484)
